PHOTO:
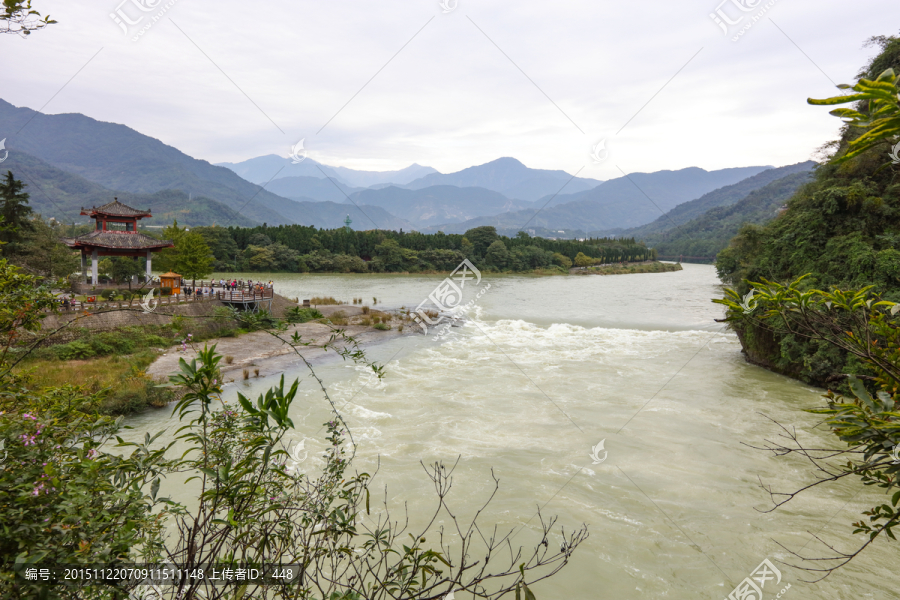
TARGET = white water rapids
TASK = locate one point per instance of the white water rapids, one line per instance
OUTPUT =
(544, 370)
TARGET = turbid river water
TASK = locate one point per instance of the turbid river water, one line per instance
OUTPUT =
(544, 370)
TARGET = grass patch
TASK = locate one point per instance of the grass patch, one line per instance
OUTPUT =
(120, 381)
(381, 326)
(324, 301)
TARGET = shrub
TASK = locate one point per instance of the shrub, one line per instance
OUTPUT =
(108, 294)
(365, 310)
(74, 350)
(256, 372)
(338, 318)
(376, 319)
(382, 326)
(295, 314)
(165, 291)
(324, 300)
(229, 360)
(246, 373)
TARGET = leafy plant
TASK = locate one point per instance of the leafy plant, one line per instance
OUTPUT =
(878, 114)
(296, 314)
(865, 419)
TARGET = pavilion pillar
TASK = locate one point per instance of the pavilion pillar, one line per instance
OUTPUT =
(149, 255)
(83, 265)
(94, 261)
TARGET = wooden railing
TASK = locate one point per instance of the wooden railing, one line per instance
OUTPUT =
(135, 303)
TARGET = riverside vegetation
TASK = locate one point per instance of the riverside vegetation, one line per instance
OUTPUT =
(72, 492)
(815, 295)
(301, 249)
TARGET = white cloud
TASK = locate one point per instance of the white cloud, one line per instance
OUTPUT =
(451, 99)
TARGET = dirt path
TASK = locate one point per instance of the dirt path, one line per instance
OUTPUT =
(261, 350)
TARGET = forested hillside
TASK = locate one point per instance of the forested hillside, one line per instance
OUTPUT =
(61, 195)
(723, 196)
(711, 232)
(843, 228)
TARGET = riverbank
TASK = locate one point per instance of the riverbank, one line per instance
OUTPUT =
(627, 268)
(259, 353)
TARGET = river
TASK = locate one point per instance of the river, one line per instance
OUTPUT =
(546, 368)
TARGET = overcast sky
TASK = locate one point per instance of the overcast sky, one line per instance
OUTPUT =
(381, 85)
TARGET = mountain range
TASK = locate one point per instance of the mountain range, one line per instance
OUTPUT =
(71, 160)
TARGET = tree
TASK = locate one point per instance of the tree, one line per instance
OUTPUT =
(17, 17)
(124, 269)
(496, 255)
(42, 250)
(482, 238)
(195, 259)
(14, 211)
(260, 258)
(167, 259)
(582, 260)
(562, 260)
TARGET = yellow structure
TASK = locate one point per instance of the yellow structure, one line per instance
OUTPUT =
(171, 280)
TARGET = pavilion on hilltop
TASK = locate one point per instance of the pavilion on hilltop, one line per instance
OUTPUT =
(115, 234)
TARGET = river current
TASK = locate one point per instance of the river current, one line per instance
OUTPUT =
(543, 370)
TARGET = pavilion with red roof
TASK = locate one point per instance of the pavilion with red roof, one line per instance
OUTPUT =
(115, 234)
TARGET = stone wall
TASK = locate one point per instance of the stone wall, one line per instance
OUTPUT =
(196, 318)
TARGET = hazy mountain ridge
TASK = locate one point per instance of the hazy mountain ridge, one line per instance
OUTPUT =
(61, 195)
(617, 203)
(724, 196)
(438, 204)
(272, 167)
(509, 177)
(118, 157)
(710, 233)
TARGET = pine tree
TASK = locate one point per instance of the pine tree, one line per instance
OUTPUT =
(195, 259)
(14, 210)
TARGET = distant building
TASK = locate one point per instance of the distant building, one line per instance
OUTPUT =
(115, 234)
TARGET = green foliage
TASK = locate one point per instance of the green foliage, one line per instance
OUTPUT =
(253, 321)
(71, 495)
(861, 325)
(843, 229)
(296, 314)
(481, 239)
(878, 113)
(108, 294)
(124, 268)
(195, 259)
(582, 260)
(19, 18)
(381, 326)
(14, 211)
